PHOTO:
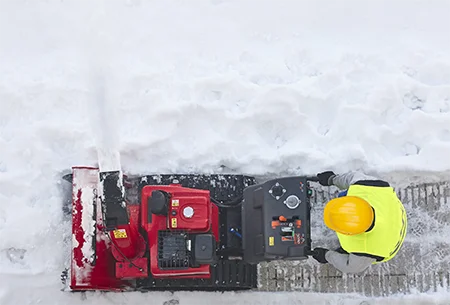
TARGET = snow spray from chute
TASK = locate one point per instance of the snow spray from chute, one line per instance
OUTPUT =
(99, 200)
(105, 126)
(104, 122)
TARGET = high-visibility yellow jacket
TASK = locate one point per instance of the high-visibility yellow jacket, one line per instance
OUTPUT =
(388, 233)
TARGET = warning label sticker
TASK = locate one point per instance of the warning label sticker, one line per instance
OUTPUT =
(120, 233)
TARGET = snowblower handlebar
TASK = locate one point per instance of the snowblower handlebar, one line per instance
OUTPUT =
(312, 178)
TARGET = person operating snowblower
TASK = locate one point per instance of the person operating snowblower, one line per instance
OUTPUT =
(369, 220)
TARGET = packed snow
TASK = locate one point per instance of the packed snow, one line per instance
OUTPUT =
(85, 193)
(260, 87)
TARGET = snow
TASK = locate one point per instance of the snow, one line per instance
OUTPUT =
(86, 181)
(262, 87)
(87, 222)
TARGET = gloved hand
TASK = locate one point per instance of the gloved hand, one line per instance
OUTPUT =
(325, 178)
(319, 255)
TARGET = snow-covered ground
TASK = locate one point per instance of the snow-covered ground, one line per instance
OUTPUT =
(182, 86)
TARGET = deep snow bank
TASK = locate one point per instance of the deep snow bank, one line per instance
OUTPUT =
(293, 86)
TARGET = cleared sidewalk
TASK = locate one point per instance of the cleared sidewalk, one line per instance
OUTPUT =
(422, 264)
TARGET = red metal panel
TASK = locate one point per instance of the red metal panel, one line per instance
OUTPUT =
(215, 221)
(92, 267)
(207, 221)
(97, 264)
(190, 212)
(128, 242)
(127, 270)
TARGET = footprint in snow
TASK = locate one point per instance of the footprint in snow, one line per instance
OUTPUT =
(413, 102)
(14, 255)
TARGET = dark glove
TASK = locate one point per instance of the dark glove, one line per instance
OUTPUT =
(319, 255)
(326, 178)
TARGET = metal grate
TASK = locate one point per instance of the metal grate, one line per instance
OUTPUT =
(172, 250)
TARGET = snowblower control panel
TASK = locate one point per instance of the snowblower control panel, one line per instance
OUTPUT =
(276, 220)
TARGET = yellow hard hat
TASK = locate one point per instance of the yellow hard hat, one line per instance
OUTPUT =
(348, 215)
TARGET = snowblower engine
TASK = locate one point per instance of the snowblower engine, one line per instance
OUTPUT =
(174, 232)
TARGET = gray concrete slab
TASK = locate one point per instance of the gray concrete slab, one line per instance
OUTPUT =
(422, 265)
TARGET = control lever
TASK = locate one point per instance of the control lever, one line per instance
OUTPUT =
(283, 221)
(287, 226)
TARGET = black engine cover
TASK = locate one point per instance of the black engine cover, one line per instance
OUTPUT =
(204, 249)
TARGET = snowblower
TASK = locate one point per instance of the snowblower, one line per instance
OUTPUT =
(178, 232)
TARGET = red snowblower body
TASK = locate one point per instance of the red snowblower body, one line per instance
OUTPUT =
(177, 232)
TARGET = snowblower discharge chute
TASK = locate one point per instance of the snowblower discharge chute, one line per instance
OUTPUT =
(175, 232)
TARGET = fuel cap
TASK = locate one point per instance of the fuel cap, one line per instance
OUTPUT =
(188, 212)
(292, 202)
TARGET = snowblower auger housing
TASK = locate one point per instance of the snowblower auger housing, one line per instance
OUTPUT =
(177, 232)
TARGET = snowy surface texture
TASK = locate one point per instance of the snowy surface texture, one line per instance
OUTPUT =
(180, 86)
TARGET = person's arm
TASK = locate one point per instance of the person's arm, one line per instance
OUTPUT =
(343, 181)
(348, 263)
